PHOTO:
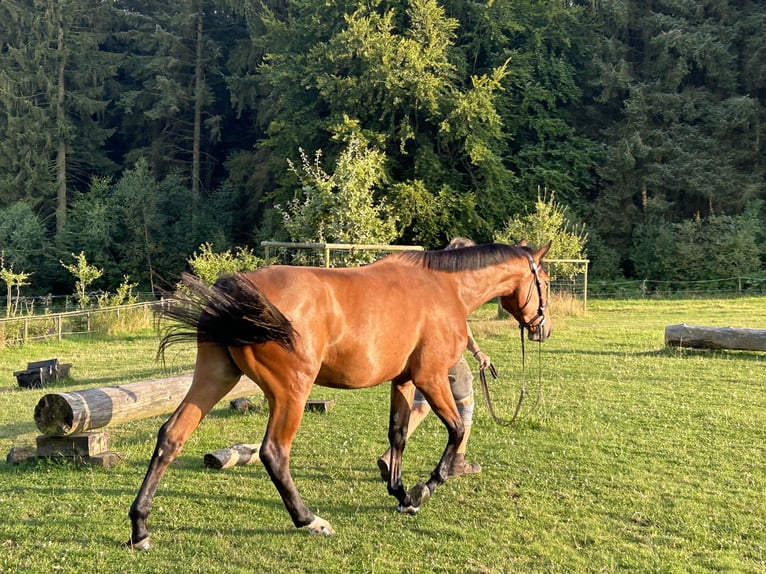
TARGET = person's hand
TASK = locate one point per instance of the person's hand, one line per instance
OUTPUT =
(482, 359)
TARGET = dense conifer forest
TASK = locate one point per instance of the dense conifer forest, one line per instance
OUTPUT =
(134, 132)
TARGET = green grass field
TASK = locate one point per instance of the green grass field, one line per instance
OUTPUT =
(629, 457)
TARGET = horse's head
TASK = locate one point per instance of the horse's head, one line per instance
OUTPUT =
(529, 302)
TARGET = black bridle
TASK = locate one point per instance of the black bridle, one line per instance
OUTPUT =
(529, 325)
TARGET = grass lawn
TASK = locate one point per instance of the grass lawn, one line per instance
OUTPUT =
(628, 457)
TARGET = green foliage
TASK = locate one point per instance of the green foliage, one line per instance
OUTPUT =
(549, 222)
(86, 274)
(341, 207)
(699, 249)
(634, 113)
(12, 280)
(209, 265)
(392, 71)
(123, 296)
(24, 240)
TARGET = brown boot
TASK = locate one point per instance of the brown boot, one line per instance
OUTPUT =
(460, 467)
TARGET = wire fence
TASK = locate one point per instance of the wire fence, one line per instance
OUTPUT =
(41, 304)
(24, 329)
(678, 289)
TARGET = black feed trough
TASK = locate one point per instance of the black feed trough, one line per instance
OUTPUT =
(38, 374)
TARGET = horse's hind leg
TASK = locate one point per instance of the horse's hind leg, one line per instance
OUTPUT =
(214, 376)
(285, 415)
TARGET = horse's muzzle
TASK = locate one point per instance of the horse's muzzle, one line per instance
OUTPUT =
(540, 332)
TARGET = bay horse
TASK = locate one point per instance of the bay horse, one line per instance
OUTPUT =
(400, 319)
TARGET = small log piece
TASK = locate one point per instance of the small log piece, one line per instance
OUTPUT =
(244, 405)
(731, 338)
(62, 414)
(19, 454)
(320, 405)
(237, 455)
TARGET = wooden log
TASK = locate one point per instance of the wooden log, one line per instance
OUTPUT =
(320, 405)
(732, 338)
(237, 455)
(19, 454)
(61, 414)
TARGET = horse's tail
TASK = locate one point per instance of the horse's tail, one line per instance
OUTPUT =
(233, 312)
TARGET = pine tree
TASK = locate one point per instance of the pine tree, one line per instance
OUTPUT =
(52, 77)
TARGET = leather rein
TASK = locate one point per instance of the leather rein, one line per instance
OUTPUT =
(493, 371)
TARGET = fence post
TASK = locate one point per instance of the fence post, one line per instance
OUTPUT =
(59, 326)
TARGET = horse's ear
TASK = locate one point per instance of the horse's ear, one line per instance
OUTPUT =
(542, 251)
(523, 243)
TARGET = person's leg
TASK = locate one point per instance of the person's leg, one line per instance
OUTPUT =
(461, 381)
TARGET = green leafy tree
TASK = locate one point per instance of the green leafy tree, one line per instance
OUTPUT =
(209, 265)
(86, 274)
(700, 249)
(23, 238)
(12, 280)
(391, 73)
(340, 207)
(548, 222)
(170, 97)
(682, 138)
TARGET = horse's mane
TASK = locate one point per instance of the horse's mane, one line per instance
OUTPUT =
(467, 258)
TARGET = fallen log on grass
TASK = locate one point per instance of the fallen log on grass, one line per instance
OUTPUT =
(715, 337)
(62, 414)
(237, 455)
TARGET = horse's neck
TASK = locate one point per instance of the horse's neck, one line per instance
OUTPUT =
(476, 287)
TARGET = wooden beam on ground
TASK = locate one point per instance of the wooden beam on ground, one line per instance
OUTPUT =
(62, 414)
(694, 336)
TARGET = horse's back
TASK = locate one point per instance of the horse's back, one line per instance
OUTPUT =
(361, 325)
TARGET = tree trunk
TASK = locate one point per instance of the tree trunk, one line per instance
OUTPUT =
(198, 92)
(715, 337)
(61, 414)
(61, 199)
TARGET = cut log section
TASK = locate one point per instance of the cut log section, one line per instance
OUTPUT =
(237, 455)
(62, 414)
(697, 337)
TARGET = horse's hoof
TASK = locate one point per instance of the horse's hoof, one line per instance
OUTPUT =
(143, 544)
(320, 527)
(419, 494)
(411, 510)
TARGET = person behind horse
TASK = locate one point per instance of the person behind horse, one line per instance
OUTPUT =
(461, 385)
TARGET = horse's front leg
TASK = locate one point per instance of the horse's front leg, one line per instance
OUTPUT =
(439, 396)
(401, 401)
